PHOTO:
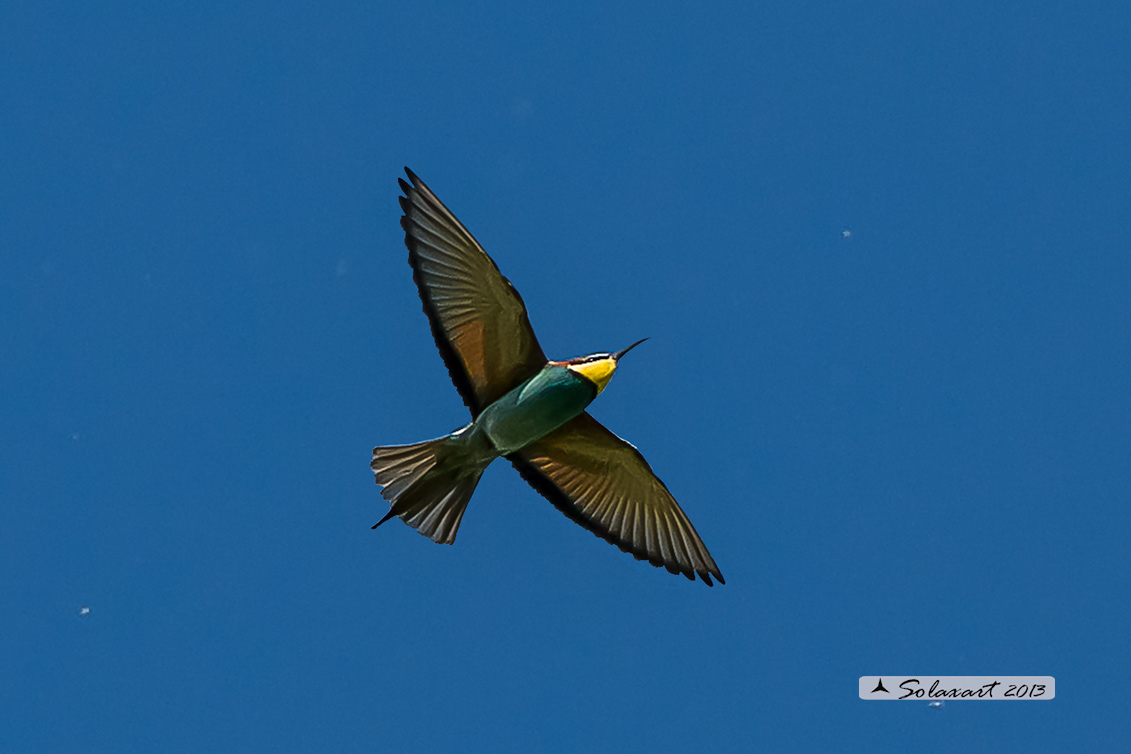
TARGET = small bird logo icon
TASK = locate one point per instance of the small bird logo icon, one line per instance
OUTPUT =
(524, 407)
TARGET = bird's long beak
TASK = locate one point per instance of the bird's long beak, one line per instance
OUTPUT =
(622, 352)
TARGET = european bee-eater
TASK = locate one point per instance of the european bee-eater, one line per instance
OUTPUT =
(524, 407)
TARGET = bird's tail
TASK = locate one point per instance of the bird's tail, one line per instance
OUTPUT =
(428, 484)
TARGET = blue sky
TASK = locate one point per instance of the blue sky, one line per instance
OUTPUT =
(907, 449)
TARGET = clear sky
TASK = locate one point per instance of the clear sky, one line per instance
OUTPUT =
(882, 253)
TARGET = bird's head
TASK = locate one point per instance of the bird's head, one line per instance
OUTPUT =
(598, 368)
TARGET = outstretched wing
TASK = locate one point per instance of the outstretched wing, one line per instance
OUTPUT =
(477, 317)
(604, 484)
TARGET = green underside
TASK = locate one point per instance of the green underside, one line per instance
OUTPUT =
(535, 408)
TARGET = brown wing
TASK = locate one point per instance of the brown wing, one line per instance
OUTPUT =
(604, 484)
(477, 317)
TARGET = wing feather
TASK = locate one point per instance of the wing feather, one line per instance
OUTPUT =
(478, 320)
(603, 483)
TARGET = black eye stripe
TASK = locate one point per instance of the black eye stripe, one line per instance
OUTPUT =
(592, 358)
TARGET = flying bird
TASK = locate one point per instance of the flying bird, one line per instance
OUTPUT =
(524, 407)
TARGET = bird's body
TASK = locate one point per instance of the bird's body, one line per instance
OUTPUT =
(535, 408)
(525, 408)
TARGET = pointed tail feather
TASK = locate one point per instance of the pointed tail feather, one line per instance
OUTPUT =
(428, 483)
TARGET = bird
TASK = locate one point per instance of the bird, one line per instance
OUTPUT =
(525, 408)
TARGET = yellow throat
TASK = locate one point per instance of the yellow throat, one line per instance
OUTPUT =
(598, 372)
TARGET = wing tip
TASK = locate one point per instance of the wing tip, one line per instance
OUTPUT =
(706, 576)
